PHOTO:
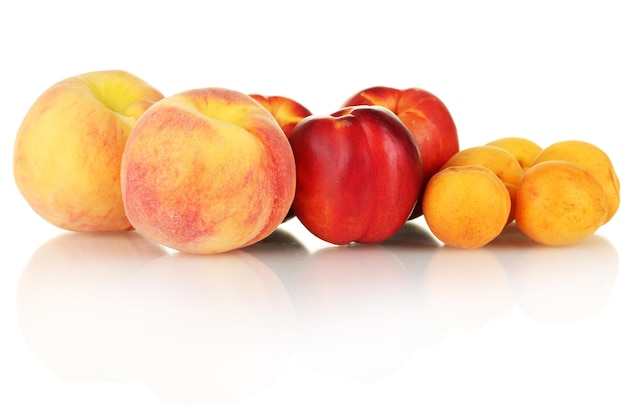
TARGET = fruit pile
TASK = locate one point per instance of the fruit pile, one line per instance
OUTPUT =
(556, 195)
(210, 170)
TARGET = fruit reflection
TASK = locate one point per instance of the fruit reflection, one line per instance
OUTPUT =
(214, 328)
(415, 245)
(71, 299)
(467, 288)
(562, 284)
(282, 252)
(354, 307)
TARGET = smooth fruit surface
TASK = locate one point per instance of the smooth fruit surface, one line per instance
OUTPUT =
(524, 149)
(68, 149)
(591, 158)
(359, 174)
(206, 171)
(512, 189)
(425, 115)
(559, 203)
(466, 206)
(500, 161)
(287, 111)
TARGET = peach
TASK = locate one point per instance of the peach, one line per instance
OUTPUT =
(206, 171)
(68, 149)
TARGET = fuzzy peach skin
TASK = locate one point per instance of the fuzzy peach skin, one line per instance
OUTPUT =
(68, 149)
(206, 171)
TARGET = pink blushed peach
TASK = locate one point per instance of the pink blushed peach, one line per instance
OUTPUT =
(207, 171)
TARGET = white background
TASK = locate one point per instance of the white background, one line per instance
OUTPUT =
(109, 324)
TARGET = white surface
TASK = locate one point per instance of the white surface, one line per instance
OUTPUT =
(110, 324)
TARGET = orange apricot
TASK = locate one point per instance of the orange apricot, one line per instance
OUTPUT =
(524, 149)
(466, 206)
(559, 203)
(591, 158)
(500, 161)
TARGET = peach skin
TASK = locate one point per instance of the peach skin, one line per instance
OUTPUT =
(206, 171)
(68, 149)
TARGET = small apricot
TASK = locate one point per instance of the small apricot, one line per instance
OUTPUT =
(500, 161)
(591, 158)
(466, 206)
(559, 203)
(524, 149)
(512, 189)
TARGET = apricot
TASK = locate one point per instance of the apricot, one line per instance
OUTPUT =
(591, 158)
(466, 206)
(500, 161)
(559, 203)
(524, 149)
(512, 189)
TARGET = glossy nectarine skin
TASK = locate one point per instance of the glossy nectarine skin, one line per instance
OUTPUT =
(425, 115)
(206, 171)
(359, 174)
(287, 111)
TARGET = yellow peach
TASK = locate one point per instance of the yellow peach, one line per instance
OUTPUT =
(68, 149)
(206, 171)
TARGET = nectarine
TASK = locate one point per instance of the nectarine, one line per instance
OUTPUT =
(425, 115)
